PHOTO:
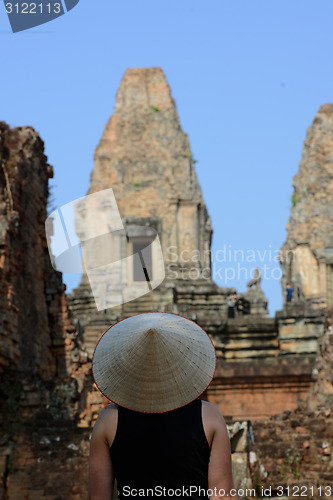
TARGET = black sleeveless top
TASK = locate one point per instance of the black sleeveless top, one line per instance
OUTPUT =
(154, 453)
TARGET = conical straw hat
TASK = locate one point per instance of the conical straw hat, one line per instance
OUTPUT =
(154, 362)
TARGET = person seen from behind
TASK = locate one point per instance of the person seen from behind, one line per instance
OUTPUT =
(156, 438)
(231, 303)
(289, 293)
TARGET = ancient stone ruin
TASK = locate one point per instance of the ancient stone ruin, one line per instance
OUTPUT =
(146, 158)
(44, 370)
(307, 254)
(292, 451)
(273, 381)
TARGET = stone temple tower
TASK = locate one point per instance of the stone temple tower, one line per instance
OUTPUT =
(145, 157)
(307, 254)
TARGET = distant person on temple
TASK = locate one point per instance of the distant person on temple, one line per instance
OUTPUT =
(157, 439)
(289, 293)
(231, 303)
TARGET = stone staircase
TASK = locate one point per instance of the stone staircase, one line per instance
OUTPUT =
(91, 336)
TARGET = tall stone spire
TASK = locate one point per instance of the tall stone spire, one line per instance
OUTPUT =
(146, 158)
(307, 254)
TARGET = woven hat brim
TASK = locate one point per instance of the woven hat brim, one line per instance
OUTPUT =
(154, 362)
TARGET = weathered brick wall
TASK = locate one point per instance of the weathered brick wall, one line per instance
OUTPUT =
(44, 374)
(24, 177)
(295, 448)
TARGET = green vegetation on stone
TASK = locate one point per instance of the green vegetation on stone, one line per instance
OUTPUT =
(294, 200)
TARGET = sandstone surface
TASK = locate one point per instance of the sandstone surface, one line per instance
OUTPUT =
(307, 254)
(146, 158)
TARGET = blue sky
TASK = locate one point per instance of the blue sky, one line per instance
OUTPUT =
(248, 78)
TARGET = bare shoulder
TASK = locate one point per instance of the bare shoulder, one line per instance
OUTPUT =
(209, 407)
(109, 410)
(213, 422)
(106, 423)
(108, 413)
(212, 413)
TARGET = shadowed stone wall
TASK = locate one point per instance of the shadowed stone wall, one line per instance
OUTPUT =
(44, 374)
